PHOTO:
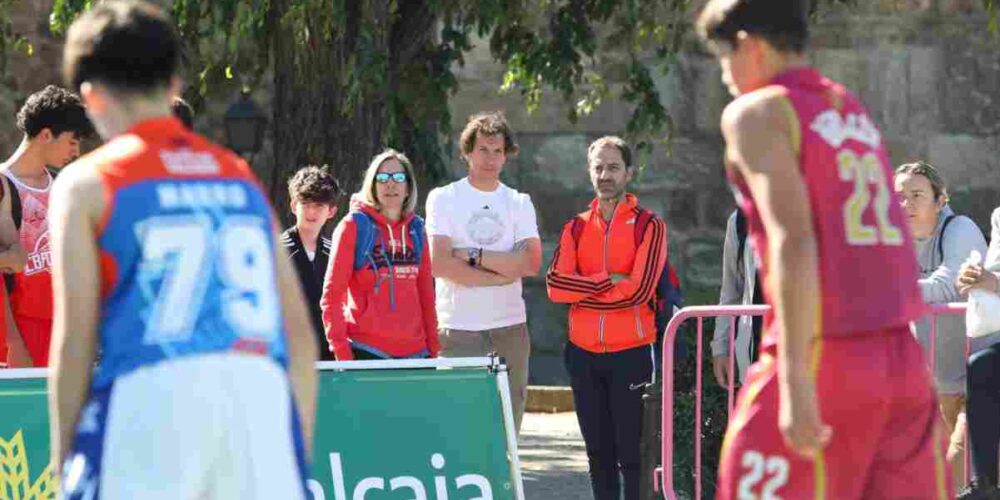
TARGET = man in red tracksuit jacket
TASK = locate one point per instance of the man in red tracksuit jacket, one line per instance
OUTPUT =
(609, 280)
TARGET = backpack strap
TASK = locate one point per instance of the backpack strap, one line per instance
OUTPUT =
(15, 201)
(669, 275)
(741, 236)
(642, 219)
(365, 241)
(7, 185)
(416, 230)
(367, 236)
(940, 242)
(15, 196)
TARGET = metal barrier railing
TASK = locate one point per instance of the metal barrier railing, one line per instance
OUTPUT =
(663, 475)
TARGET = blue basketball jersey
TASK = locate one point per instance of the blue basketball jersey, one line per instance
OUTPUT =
(187, 253)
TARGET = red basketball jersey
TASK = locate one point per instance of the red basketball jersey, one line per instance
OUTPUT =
(867, 265)
(32, 294)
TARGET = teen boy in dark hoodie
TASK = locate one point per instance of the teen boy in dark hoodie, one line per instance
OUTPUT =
(314, 194)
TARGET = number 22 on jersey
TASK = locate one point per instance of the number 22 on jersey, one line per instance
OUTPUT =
(756, 466)
(865, 171)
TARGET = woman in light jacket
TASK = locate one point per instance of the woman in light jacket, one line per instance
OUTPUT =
(943, 242)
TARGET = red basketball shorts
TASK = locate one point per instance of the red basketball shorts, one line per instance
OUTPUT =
(875, 391)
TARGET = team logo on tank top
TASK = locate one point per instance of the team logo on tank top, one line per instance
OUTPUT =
(35, 233)
(40, 259)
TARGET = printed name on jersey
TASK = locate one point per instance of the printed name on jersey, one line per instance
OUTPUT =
(187, 162)
(172, 195)
(835, 129)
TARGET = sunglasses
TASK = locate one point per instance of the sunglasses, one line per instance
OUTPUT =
(398, 177)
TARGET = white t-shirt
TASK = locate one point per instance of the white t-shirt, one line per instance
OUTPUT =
(495, 221)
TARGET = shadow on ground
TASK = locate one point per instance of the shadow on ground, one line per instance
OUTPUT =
(553, 458)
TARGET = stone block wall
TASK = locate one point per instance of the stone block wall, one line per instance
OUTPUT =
(928, 70)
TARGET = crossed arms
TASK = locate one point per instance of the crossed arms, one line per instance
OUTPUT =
(495, 268)
(606, 291)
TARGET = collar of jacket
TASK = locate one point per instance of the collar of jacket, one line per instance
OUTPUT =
(380, 219)
(624, 207)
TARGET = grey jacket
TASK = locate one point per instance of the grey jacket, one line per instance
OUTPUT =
(937, 284)
(737, 289)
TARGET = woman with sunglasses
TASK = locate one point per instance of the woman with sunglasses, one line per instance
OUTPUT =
(378, 295)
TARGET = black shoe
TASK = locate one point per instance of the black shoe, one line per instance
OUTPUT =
(975, 491)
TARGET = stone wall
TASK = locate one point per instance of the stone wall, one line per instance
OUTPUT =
(26, 74)
(928, 70)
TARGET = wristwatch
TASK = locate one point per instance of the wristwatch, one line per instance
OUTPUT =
(475, 255)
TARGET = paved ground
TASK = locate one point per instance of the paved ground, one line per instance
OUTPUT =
(553, 458)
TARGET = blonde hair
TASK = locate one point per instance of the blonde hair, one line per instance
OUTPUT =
(368, 194)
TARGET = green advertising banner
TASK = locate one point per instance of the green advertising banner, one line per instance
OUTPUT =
(401, 430)
(412, 434)
(24, 437)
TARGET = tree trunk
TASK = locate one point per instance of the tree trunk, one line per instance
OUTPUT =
(312, 122)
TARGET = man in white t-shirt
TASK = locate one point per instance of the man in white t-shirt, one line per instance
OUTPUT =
(484, 239)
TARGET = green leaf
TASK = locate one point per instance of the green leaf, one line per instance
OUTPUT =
(992, 6)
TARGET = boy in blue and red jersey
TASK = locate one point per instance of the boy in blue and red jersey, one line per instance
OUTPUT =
(165, 255)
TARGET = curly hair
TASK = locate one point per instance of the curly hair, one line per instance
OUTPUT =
(56, 109)
(488, 123)
(313, 184)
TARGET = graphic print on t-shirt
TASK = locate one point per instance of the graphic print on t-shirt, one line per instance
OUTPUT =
(35, 231)
(400, 256)
(485, 227)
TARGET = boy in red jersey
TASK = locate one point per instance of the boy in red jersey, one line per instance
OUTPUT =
(53, 122)
(840, 404)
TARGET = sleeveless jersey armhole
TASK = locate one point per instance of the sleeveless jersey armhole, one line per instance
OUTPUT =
(794, 125)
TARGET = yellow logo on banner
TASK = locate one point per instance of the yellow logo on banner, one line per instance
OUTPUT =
(15, 477)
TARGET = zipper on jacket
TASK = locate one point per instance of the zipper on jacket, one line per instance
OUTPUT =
(607, 238)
